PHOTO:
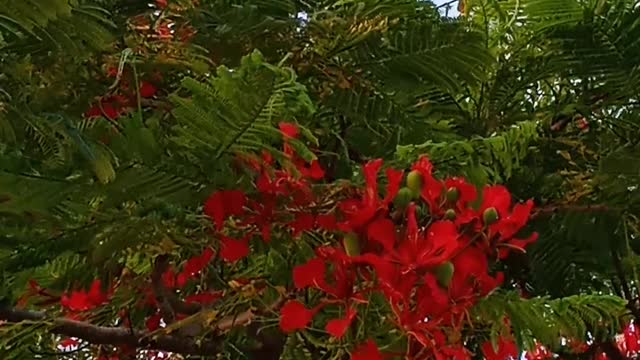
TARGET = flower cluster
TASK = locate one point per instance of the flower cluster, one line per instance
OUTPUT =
(426, 247)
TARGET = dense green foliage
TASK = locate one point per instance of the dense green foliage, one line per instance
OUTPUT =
(539, 95)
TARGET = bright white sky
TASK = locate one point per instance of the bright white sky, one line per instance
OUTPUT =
(453, 11)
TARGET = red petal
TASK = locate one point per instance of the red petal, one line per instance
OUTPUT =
(370, 171)
(289, 130)
(316, 172)
(95, 295)
(303, 222)
(294, 316)
(468, 192)
(367, 351)
(327, 222)
(311, 274)
(182, 279)
(147, 90)
(233, 250)
(78, 301)
(496, 196)
(394, 178)
(383, 231)
(234, 202)
(194, 265)
(169, 279)
(441, 243)
(153, 322)
(338, 327)
(93, 112)
(222, 204)
(69, 343)
(506, 349)
(110, 112)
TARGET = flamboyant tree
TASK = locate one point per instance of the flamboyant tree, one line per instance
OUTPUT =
(319, 179)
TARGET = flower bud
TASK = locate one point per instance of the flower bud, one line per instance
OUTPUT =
(444, 274)
(490, 216)
(452, 195)
(403, 198)
(414, 181)
(450, 214)
(351, 244)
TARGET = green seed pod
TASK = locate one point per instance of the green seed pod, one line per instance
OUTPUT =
(450, 214)
(453, 195)
(403, 198)
(444, 273)
(414, 181)
(490, 216)
(351, 244)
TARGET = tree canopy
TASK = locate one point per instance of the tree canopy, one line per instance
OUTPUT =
(289, 179)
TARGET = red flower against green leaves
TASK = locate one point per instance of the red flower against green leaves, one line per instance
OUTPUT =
(233, 250)
(294, 316)
(367, 351)
(111, 107)
(432, 189)
(147, 89)
(506, 349)
(222, 204)
(338, 327)
(471, 276)
(191, 269)
(80, 301)
(370, 210)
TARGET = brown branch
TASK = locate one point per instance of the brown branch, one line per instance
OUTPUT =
(119, 336)
(102, 335)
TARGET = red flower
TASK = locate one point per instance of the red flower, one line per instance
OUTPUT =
(147, 90)
(69, 342)
(367, 351)
(83, 301)
(418, 251)
(338, 327)
(310, 274)
(327, 222)
(506, 349)
(161, 4)
(360, 213)
(315, 170)
(153, 322)
(303, 222)
(223, 204)
(467, 193)
(289, 130)
(431, 188)
(234, 249)
(471, 275)
(193, 266)
(169, 279)
(294, 316)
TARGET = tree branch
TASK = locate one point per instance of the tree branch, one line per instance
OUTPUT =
(118, 336)
(102, 335)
